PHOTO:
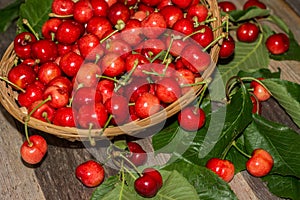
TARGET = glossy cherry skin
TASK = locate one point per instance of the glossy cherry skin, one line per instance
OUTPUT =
(278, 43)
(59, 96)
(247, 32)
(44, 51)
(146, 105)
(204, 36)
(22, 75)
(112, 65)
(137, 155)
(44, 112)
(141, 64)
(22, 44)
(117, 106)
(171, 14)
(260, 163)
(184, 26)
(70, 63)
(49, 71)
(68, 32)
(100, 7)
(99, 26)
(191, 118)
(118, 11)
(90, 173)
(254, 3)
(65, 116)
(62, 7)
(106, 89)
(182, 4)
(50, 27)
(90, 47)
(199, 11)
(168, 90)
(259, 91)
(223, 168)
(34, 153)
(227, 6)
(155, 175)
(85, 96)
(227, 47)
(146, 186)
(154, 25)
(31, 94)
(83, 11)
(132, 33)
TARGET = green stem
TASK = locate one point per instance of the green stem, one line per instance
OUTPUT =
(25, 21)
(92, 140)
(239, 150)
(133, 165)
(11, 83)
(123, 180)
(214, 42)
(109, 35)
(39, 105)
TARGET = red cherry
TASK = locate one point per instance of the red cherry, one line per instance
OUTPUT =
(147, 104)
(98, 26)
(254, 3)
(247, 32)
(259, 91)
(62, 82)
(22, 44)
(184, 26)
(112, 65)
(223, 168)
(260, 163)
(85, 96)
(65, 116)
(140, 61)
(155, 175)
(83, 11)
(44, 51)
(226, 6)
(50, 27)
(118, 46)
(227, 48)
(118, 12)
(151, 3)
(49, 71)
(184, 78)
(92, 114)
(154, 25)
(87, 74)
(106, 89)
(171, 14)
(132, 33)
(199, 11)
(136, 87)
(90, 173)
(191, 118)
(21, 75)
(117, 106)
(33, 153)
(44, 112)
(59, 96)
(31, 94)
(137, 155)
(100, 7)
(68, 32)
(90, 47)
(204, 35)
(168, 90)
(62, 7)
(128, 2)
(182, 4)
(70, 63)
(146, 186)
(278, 43)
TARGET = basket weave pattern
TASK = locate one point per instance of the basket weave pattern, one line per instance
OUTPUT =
(9, 96)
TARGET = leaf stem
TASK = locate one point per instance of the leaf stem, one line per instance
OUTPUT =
(239, 150)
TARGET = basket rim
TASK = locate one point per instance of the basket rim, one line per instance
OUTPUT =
(9, 97)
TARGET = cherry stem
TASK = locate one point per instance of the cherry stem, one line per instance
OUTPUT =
(168, 50)
(107, 122)
(125, 78)
(26, 133)
(39, 105)
(201, 96)
(59, 16)
(108, 36)
(133, 165)
(11, 83)
(239, 150)
(229, 86)
(223, 35)
(25, 21)
(123, 179)
(194, 33)
(129, 172)
(257, 103)
(258, 81)
(92, 140)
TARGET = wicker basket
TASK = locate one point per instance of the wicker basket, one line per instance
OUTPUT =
(9, 96)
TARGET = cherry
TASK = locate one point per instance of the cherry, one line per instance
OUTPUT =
(100, 7)
(182, 4)
(128, 2)
(256, 105)
(63, 49)
(85, 96)
(151, 3)
(168, 90)
(247, 32)
(59, 96)
(62, 82)
(223, 168)
(260, 91)
(146, 105)
(117, 106)
(106, 89)
(139, 62)
(119, 47)
(155, 175)
(41, 111)
(260, 163)
(68, 32)
(191, 118)
(70, 63)
(83, 11)
(21, 75)
(146, 9)
(118, 12)
(146, 186)
(89, 47)
(34, 151)
(227, 47)
(94, 115)
(154, 25)
(203, 35)
(278, 43)
(62, 7)
(98, 26)
(90, 173)
(184, 26)
(197, 13)
(50, 27)
(254, 3)
(137, 155)
(185, 77)
(164, 3)
(195, 59)
(44, 51)
(151, 47)
(226, 6)
(112, 65)
(171, 14)
(87, 74)
(22, 44)
(132, 33)
(136, 87)
(49, 71)
(65, 116)
(31, 94)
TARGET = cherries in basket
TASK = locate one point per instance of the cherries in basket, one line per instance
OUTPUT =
(112, 62)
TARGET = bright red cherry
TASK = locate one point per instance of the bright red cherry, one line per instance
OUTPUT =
(146, 105)
(62, 7)
(247, 32)
(155, 175)
(90, 173)
(227, 6)
(254, 3)
(22, 44)
(146, 186)
(260, 163)
(191, 118)
(223, 168)
(227, 48)
(259, 91)
(278, 43)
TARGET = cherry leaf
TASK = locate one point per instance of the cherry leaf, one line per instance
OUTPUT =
(287, 94)
(280, 141)
(207, 184)
(107, 186)
(8, 14)
(252, 12)
(283, 186)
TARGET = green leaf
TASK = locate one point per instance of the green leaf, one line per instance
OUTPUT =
(247, 57)
(36, 12)
(243, 15)
(279, 22)
(265, 73)
(287, 94)
(280, 141)
(207, 184)
(292, 54)
(169, 190)
(9, 14)
(107, 186)
(283, 186)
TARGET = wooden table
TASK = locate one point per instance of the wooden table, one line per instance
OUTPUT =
(55, 179)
